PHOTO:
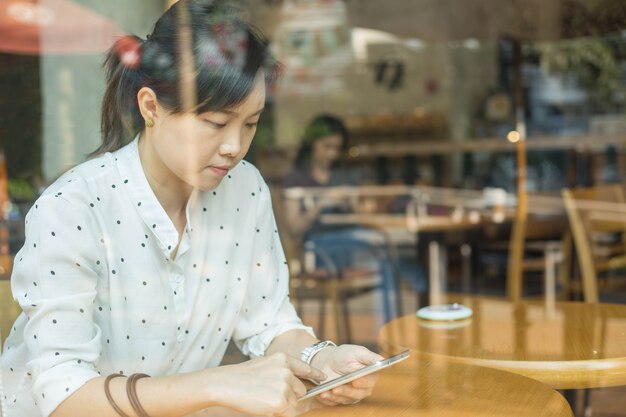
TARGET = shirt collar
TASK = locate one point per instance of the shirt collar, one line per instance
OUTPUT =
(144, 200)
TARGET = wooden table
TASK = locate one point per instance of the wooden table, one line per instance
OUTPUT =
(424, 387)
(469, 210)
(564, 344)
(401, 221)
(435, 225)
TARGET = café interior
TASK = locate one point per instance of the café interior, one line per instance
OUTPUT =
(483, 168)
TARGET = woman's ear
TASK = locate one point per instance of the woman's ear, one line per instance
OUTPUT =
(148, 103)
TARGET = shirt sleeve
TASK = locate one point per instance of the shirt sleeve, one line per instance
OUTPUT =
(54, 281)
(267, 311)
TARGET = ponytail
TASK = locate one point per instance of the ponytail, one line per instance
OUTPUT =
(121, 119)
(227, 55)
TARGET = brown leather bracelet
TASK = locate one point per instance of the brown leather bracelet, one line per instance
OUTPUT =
(131, 391)
(107, 392)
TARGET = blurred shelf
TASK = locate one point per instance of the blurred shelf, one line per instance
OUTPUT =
(395, 148)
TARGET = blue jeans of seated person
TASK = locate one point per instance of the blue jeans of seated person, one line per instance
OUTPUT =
(363, 247)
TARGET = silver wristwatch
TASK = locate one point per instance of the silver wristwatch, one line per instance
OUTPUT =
(309, 352)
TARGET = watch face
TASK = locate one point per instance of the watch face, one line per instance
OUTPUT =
(309, 352)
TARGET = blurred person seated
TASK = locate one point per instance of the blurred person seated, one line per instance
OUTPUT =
(318, 164)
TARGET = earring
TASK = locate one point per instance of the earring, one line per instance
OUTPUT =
(149, 122)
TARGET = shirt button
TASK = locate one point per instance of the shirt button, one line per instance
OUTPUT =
(180, 338)
(178, 279)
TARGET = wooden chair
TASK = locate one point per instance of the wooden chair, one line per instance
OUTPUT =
(597, 217)
(535, 247)
(325, 283)
(314, 276)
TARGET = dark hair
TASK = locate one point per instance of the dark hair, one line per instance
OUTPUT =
(227, 54)
(319, 127)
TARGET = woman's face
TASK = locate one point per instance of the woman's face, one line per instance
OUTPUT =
(326, 150)
(200, 149)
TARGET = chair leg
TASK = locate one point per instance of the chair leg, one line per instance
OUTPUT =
(565, 271)
(322, 318)
(570, 395)
(587, 411)
(466, 268)
(346, 321)
(336, 309)
(389, 289)
(551, 259)
(399, 310)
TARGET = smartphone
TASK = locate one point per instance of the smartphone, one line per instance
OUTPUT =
(344, 379)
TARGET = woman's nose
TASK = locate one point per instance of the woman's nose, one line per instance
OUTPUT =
(232, 146)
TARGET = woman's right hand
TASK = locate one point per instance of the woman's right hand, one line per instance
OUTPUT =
(267, 386)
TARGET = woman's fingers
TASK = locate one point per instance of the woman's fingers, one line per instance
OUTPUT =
(365, 356)
(297, 386)
(304, 370)
(346, 394)
(324, 400)
(367, 381)
(348, 391)
(292, 398)
(329, 398)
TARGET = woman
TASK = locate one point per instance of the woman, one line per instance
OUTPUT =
(317, 164)
(324, 141)
(151, 256)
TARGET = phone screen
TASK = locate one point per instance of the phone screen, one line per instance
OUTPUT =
(375, 367)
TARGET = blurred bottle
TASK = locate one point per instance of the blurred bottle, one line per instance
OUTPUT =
(5, 210)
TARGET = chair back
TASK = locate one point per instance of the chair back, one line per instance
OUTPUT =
(9, 309)
(594, 211)
(515, 259)
(292, 245)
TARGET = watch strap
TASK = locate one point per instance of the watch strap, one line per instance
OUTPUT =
(309, 352)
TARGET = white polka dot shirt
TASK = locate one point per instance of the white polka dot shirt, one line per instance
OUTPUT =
(101, 293)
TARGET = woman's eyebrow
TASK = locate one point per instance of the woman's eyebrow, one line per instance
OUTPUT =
(234, 113)
(257, 112)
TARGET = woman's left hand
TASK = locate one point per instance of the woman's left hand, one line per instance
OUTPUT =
(341, 360)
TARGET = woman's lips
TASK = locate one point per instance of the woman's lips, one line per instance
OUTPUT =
(221, 171)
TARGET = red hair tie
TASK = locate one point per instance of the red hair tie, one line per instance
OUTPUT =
(128, 48)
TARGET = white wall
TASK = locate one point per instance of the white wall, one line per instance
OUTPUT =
(72, 87)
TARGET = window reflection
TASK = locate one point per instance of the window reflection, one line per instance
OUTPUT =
(438, 99)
